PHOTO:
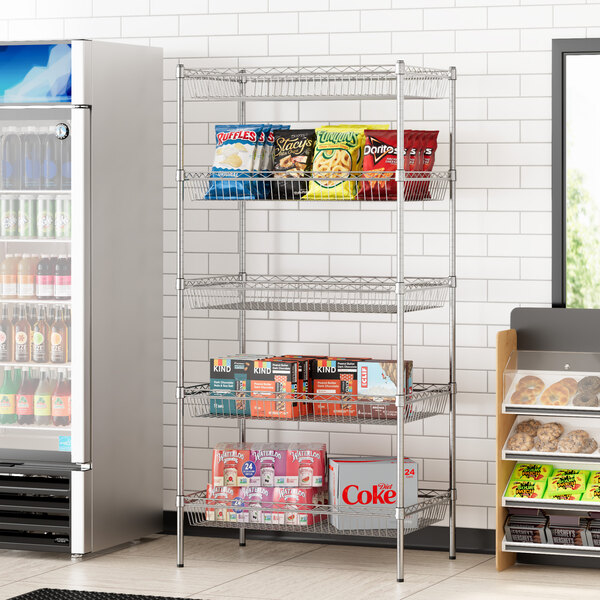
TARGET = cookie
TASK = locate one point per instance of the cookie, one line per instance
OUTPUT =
(523, 396)
(529, 427)
(550, 431)
(569, 383)
(586, 399)
(569, 445)
(556, 395)
(531, 383)
(590, 445)
(589, 384)
(545, 446)
(520, 442)
(578, 435)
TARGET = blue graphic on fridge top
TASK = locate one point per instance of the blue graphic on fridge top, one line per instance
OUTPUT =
(35, 73)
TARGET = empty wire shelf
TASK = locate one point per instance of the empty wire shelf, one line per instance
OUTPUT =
(370, 520)
(313, 83)
(318, 293)
(426, 400)
(367, 186)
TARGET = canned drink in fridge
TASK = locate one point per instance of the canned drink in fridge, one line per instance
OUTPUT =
(45, 216)
(27, 219)
(62, 220)
(9, 207)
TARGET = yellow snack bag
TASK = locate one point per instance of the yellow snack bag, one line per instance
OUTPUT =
(525, 489)
(337, 158)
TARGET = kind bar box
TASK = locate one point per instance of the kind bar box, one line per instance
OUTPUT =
(228, 465)
(377, 383)
(275, 379)
(355, 483)
(334, 376)
(230, 386)
(295, 506)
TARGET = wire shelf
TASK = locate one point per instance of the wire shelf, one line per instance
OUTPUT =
(313, 83)
(426, 400)
(368, 186)
(314, 293)
(370, 521)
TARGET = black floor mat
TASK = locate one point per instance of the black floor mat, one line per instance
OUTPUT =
(48, 594)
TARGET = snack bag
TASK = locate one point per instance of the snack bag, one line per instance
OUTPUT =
(338, 158)
(292, 153)
(531, 472)
(525, 489)
(263, 162)
(428, 149)
(379, 165)
(567, 483)
(234, 158)
(594, 478)
(592, 494)
(565, 472)
(562, 495)
(267, 161)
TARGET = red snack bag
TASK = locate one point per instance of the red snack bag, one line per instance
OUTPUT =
(379, 165)
(429, 148)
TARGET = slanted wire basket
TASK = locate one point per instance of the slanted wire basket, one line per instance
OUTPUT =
(370, 520)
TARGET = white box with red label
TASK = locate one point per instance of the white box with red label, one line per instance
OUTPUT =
(369, 482)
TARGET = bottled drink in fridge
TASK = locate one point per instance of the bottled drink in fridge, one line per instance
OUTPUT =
(6, 336)
(25, 397)
(26, 277)
(32, 158)
(11, 158)
(8, 395)
(22, 336)
(27, 216)
(61, 401)
(62, 218)
(8, 274)
(42, 400)
(40, 337)
(68, 322)
(44, 281)
(62, 277)
(9, 208)
(59, 337)
(45, 216)
(50, 159)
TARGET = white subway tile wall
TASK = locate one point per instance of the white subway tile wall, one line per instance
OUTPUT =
(502, 49)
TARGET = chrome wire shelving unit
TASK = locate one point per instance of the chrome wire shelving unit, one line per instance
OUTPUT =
(244, 292)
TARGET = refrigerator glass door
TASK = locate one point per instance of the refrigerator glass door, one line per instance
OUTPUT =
(42, 261)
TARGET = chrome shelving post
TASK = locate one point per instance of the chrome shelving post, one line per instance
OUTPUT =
(400, 75)
(179, 284)
(242, 269)
(452, 318)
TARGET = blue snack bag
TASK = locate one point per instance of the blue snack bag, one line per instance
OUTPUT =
(235, 155)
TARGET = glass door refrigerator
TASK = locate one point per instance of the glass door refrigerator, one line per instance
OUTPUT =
(80, 295)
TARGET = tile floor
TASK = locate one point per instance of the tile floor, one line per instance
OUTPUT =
(218, 569)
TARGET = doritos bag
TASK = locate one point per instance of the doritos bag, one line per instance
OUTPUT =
(379, 165)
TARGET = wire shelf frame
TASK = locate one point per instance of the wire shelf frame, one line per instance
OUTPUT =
(426, 400)
(370, 520)
(367, 186)
(313, 83)
(315, 293)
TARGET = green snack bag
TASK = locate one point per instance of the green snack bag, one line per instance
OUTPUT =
(574, 483)
(594, 478)
(531, 472)
(525, 489)
(561, 472)
(562, 495)
(592, 494)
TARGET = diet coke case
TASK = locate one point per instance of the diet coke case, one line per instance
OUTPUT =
(295, 505)
(222, 503)
(369, 481)
(305, 466)
(229, 462)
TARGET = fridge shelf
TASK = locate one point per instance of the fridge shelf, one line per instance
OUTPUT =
(33, 301)
(315, 293)
(38, 192)
(46, 428)
(431, 509)
(426, 400)
(36, 240)
(25, 365)
(364, 186)
(313, 83)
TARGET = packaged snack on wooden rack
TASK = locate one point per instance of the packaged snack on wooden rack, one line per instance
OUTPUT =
(526, 525)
